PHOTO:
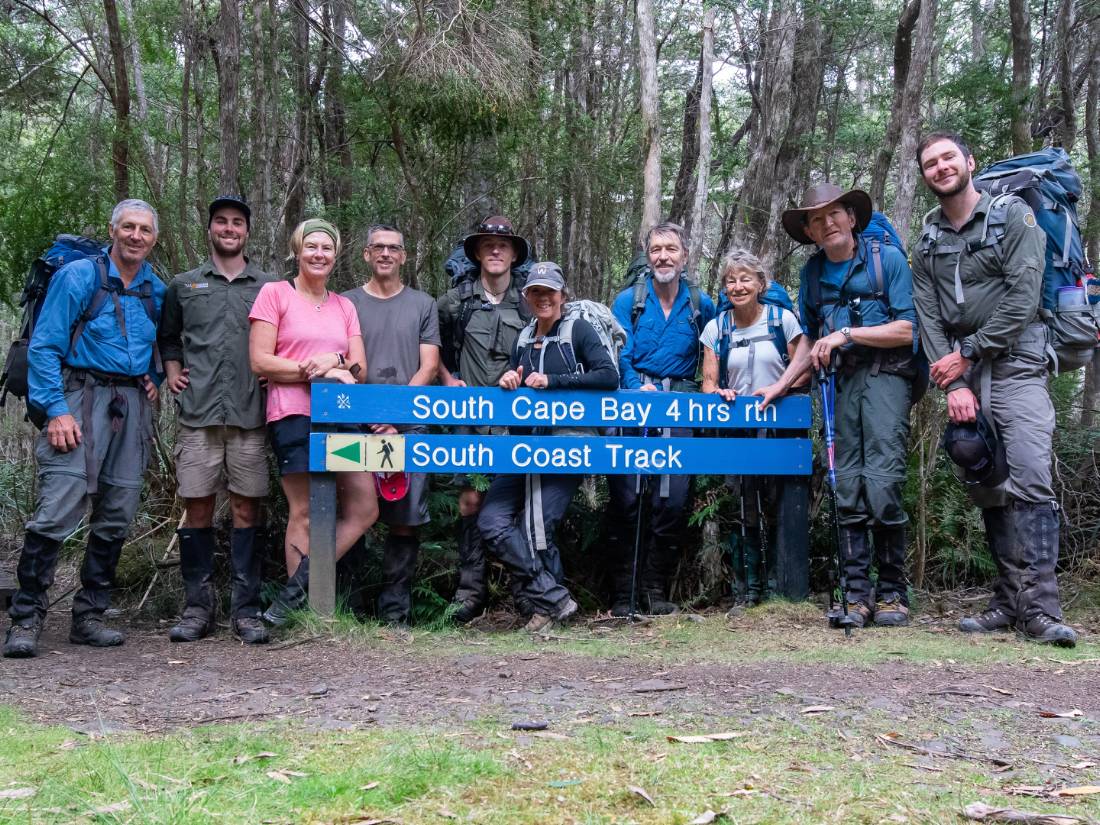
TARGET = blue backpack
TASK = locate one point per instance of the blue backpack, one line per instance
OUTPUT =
(878, 233)
(776, 299)
(64, 250)
(1046, 181)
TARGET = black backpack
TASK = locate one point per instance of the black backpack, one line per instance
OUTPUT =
(64, 250)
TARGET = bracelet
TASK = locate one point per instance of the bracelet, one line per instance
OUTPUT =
(340, 362)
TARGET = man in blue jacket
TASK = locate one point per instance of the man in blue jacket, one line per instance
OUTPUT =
(663, 318)
(91, 366)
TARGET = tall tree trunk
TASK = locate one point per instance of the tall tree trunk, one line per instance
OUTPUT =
(910, 112)
(120, 97)
(683, 193)
(1067, 93)
(651, 113)
(903, 56)
(226, 48)
(697, 225)
(1090, 396)
(300, 138)
(1021, 75)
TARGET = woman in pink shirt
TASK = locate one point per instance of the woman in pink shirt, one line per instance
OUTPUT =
(301, 331)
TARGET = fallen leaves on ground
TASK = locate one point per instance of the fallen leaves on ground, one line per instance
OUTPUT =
(18, 793)
(283, 775)
(705, 738)
(1065, 714)
(1079, 790)
(248, 757)
(634, 789)
(818, 709)
(706, 817)
(988, 813)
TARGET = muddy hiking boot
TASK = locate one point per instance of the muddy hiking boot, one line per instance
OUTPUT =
(990, 621)
(250, 630)
(293, 596)
(540, 622)
(398, 570)
(891, 611)
(859, 615)
(1045, 630)
(197, 569)
(660, 565)
(22, 639)
(90, 629)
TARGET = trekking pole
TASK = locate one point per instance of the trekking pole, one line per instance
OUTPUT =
(744, 588)
(827, 382)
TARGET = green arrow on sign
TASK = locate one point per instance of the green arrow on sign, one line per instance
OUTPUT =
(351, 452)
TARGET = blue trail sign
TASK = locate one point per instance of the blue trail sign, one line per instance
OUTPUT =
(481, 406)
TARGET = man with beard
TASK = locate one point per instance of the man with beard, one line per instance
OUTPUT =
(401, 338)
(221, 442)
(977, 278)
(663, 320)
(89, 362)
(479, 322)
(856, 303)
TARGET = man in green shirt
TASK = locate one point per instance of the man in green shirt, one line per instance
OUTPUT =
(479, 322)
(221, 442)
(977, 279)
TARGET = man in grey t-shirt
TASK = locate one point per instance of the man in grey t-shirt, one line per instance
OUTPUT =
(401, 337)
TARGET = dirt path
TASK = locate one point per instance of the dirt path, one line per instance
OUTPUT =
(152, 685)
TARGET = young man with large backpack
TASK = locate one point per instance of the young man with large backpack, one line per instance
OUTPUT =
(663, 314)
(978, 297)
(90, 361)
(222, 441)
(856, 302)
(480, 319)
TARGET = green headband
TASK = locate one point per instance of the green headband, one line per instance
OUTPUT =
(320, 225)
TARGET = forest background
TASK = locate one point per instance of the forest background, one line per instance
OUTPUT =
(585, 121)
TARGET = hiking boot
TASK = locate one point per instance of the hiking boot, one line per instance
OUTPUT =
(620, 609)
(891, 612)
(657, 605)
(858, 615)
(466, 611)
(250, 630)
(22, 640)
(473, 589)
(1046, 630)
(990, 621)
(194, 624)
(90, 629)
(541, 621)
(398, 570)
(292, 597)
(197, 570)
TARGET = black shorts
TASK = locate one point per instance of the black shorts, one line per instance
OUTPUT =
(289, 439)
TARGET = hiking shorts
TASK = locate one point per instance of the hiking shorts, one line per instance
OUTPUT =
(212, 459)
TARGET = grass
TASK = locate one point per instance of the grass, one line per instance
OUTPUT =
(799, 627)
(778, 769)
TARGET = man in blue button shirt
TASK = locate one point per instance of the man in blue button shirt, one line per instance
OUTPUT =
(661, 353)
(96, 389)
(863, 325)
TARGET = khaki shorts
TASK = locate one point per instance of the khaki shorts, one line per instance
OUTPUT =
(211, 459)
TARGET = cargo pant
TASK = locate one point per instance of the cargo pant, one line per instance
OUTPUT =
(116, 424)
(1021, 514)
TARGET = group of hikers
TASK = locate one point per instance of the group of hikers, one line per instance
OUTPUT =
(237, 348)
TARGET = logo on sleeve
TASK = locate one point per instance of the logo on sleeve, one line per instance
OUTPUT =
(1029, 219)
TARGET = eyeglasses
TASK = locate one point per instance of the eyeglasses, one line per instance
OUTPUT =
(392, 248)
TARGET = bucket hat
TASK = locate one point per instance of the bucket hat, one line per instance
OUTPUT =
(497, 226)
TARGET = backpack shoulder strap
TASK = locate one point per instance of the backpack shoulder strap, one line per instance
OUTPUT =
(637, 307)
(466, 300)
(102, 290)
(779, 336)
(724, 348)
(695, 296)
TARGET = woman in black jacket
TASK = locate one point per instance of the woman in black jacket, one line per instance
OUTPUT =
(520, 513)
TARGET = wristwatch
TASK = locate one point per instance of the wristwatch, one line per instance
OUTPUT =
(847, 333)
(340, 360)
(967, 352)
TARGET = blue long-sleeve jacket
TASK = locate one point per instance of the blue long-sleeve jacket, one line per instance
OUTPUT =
(101, 346)
(660, 347)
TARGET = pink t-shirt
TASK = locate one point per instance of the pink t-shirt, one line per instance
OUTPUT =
(302, 330)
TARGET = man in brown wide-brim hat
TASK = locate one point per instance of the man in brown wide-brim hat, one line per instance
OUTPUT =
(856, 302)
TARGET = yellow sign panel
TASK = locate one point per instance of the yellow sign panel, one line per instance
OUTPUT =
(364, 453)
